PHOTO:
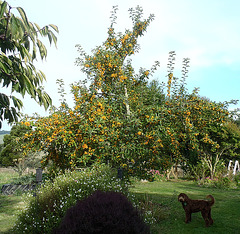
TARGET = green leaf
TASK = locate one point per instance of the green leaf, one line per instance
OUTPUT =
(3, 8)
(44, 30)
(23, 16)
(3, 67)
(41, 76)
(21, 85)
(42, 49)
(34, 53)
(37, 26)
(6, 63)
(4, 100)
(53, 37)
(27, 43)
(49, 38)
(22, 26)
(14, 114)
(30, 87)
(14, 25)
(17, 102)
(54, 27)
(33, 30)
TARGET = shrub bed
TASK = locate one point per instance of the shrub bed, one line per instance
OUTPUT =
(103, 212)
(221, 182)
(45, 211)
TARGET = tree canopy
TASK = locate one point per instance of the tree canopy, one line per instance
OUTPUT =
(20, 44)
(10, 151)
(121, 118)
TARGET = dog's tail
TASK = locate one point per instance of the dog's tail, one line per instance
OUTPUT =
(212, 200)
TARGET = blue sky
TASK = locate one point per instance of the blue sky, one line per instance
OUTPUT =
(205, 31)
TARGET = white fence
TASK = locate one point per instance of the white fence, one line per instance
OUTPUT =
(234, 167)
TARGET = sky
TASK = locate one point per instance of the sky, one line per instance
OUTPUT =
(207, 32)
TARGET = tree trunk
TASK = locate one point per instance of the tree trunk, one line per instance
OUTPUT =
(126, 101)
(173, 173)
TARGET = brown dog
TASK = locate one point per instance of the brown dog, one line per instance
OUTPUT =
(192, 206)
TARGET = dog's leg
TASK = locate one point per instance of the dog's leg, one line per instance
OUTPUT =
(210, 217)
(188, 217)
(205, 217)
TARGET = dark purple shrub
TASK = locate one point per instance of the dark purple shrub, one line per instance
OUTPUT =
(105, 213)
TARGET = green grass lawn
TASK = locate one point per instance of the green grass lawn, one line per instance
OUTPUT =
(10, 206)
(225, 212)
(7, 176)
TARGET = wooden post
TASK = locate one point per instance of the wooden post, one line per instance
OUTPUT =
(39, 175)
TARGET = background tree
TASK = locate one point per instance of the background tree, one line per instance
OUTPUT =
(19, 44)
(10, 149)
(192, 119)
(227, 140)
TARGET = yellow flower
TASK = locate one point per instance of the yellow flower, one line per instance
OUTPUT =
(85, 146)
(114, 75)
(139, 133)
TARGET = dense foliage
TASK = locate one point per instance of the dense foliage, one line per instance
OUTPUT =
(10, 151)
(121, 119)
(20, 44)
(103, 212)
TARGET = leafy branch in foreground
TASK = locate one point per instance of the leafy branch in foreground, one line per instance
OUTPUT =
(19, 44)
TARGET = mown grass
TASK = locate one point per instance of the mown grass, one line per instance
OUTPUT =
(7, 176)
(10, 206)
(225, 212)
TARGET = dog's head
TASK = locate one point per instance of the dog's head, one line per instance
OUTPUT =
(182, 197)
